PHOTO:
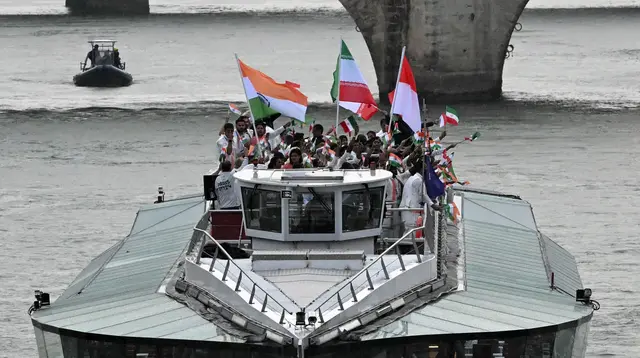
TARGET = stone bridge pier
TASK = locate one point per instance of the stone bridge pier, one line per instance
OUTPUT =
(456, 48)
(108, 7)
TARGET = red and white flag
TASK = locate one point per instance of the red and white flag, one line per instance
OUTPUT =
(406, 97)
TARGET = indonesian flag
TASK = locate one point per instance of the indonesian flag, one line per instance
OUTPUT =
(449, 116)
(405, 97)
(267, 97)
(350, 84)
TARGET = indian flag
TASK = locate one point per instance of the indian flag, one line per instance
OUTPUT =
(450, 116)
(418, 137)
(349, 125)
(395, 160)
(452, 212)
(266, 97)
(434, 145)
(351, 88)
(234, 109)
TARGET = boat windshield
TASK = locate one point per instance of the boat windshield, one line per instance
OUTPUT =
(311, 212)
(362, 209)
(105, 52)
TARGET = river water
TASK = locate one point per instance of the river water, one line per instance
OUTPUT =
(76, 163)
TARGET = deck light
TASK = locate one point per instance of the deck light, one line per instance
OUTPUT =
(312, 320)
(42, 299)
(160, 195)
(583, 295)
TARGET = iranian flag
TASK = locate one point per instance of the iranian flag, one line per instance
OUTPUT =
(350, 86)
(349, 125)
(395, 160)
(404, 99)
(267, 97)
(450, 116)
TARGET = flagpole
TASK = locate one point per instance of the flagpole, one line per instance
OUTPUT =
(445, 121)
(393, 103)
(255, 131)
(427, 145)
(338, 96)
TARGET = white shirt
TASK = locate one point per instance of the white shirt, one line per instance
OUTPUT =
(222, 144)
(274, 136)
(414, 193)
(227, 190)
(353, 159)
(403, 177)
(393, 190)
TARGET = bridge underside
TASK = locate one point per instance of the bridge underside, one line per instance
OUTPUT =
(456, 48)
(110, 7)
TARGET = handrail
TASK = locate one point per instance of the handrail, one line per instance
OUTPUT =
(242, 272)
(366, 268)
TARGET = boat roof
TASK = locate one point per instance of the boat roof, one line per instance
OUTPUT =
(504, 269)
(311, 177)
(102, 41)
(118, 292)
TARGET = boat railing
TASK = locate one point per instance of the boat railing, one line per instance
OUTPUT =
(364, 279)
(232, 272)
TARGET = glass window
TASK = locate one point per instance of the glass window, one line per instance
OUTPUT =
(53, 345)
(42, 350)
(362, 209)
(580, 340)
(563, 345)
(262, 209)
(311, 212)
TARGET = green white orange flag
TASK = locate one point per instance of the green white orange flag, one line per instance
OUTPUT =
(234, 109)
(267, 97)
(450, 116)
(395, 160)
(452, 212)
(351, 86)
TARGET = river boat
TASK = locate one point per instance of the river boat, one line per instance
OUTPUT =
(306, 268)
(104, 72)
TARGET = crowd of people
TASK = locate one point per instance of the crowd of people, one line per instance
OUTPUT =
(394, 148)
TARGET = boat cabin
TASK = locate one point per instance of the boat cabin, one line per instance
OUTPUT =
(323, 209)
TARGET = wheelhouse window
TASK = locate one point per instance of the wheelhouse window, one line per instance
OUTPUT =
(311, 212)
(262, 209)
(362, 209)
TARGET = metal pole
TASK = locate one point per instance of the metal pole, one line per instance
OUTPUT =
(338, 97)
(255, 131)
(396, 89)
